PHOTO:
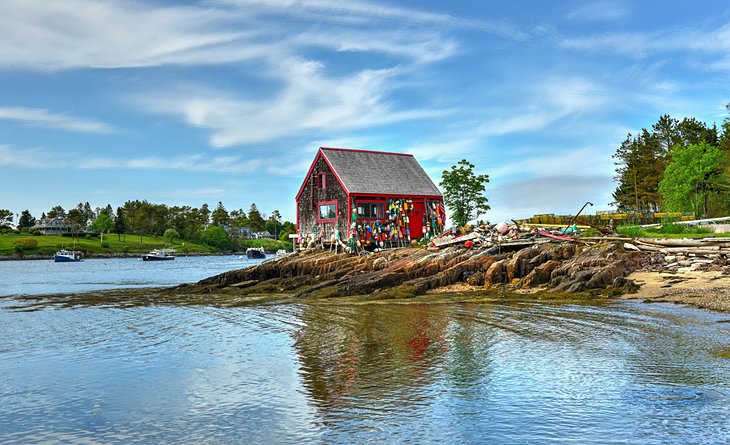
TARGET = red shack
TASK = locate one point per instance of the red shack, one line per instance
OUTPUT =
(371, 198)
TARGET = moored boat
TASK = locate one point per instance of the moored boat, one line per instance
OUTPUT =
(67, 256)
(159, 255)
(255, 252)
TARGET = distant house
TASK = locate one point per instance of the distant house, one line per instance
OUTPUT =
(263, 235)
(238, 232)
(51, 226)
(368, 195)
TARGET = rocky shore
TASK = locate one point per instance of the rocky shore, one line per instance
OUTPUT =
(563, 267)
(573, 270)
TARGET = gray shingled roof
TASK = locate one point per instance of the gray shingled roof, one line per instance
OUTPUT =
(380, 173)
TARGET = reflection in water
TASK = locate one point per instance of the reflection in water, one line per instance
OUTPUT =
(365, 373)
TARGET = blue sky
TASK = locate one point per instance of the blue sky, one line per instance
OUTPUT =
(228, 100)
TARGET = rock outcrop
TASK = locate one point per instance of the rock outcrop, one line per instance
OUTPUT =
(558, 267)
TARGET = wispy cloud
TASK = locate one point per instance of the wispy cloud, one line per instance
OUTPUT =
(310, 102)
(599, 11)
(32, 158)
(44, 35)
(707, 42)
(545, 103)
(194, 163)
(358, 12)
(41, 117)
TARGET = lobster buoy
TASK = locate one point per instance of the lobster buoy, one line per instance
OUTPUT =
(468, 244)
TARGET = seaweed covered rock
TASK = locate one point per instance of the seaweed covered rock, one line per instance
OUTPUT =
(564, 267)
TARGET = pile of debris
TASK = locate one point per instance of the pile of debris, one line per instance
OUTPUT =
(502, 237)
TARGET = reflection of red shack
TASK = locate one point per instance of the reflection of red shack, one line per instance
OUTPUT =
(380, 197)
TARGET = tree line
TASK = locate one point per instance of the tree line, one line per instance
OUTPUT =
(677, 165)
(145, 218)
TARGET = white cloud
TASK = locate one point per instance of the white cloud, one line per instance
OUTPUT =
(712, 42)
(195, 163)
(107, 34)
(545, 103)
(358, 12)
(32, 158)
(310, 102)
(599, 11)
(40, 117)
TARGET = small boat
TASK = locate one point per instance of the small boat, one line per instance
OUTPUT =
(159, 255)
(255, 252)
(280, 252)
(67, 256)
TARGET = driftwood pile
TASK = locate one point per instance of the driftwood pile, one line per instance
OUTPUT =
(552, 266)
(682, 255)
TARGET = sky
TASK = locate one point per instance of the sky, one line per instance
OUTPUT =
(192, 102)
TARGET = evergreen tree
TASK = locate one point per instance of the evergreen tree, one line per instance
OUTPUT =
(255, 220)
(56, 212)
(220, 216)
(120, 224)
(26, 220)
(6, 218)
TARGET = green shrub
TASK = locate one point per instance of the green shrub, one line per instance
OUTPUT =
(25, 244)
(36, 233)
(104, 245)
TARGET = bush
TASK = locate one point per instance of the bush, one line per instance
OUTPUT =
(36, 233)
(104, 245)
(25, 244)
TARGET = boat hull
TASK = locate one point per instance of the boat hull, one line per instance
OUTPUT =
(157, 258)
(255, 254)
(65, 259)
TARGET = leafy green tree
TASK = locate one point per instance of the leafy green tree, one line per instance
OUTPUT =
(6, 218)
(103, 223)
(26, 220)
(215, 236)
(220, 216)
(694, 176)
(56, 212)
(464, 192)
(170, 235)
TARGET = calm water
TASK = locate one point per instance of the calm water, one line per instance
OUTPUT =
(516, 373)
(46, 276)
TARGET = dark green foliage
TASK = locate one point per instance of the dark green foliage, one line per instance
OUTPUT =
(215, 236)
(694, 176)
(464, 192)
(56, 212)
(255, 220)
(26, 220)
(6, 218)
(641, 161)
(220, 216)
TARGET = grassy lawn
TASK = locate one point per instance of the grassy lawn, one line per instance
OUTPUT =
(669, 231)
(49, 244)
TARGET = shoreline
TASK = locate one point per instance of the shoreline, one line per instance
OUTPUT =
(699, 289)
